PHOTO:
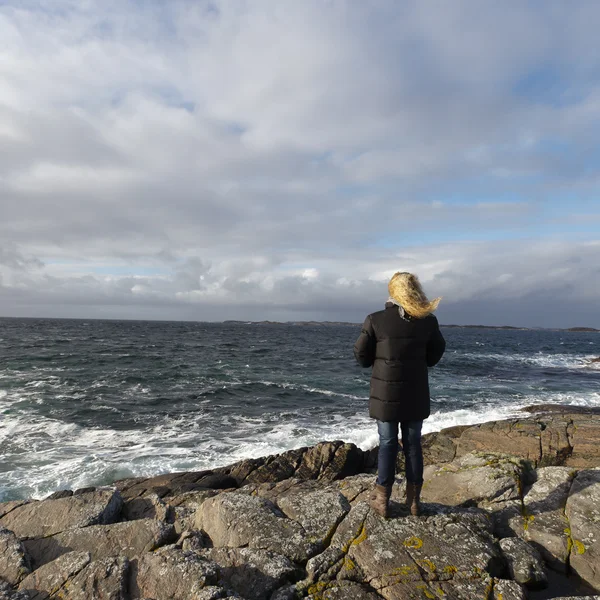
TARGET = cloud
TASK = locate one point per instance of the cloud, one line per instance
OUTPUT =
(203, 159)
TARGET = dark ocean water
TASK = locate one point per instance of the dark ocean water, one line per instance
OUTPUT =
(87, 402)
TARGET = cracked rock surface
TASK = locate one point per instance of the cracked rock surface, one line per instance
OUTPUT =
(583, 512)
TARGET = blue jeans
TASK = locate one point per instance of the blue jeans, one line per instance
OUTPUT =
(388, 451)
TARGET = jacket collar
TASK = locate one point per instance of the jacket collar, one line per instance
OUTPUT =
(403, 314)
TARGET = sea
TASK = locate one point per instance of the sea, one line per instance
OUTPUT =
(89, 402)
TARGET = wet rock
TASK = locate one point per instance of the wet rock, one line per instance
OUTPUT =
(50, 578)
(236, 520)
(330, 461)
(217, 481)
(473, 479)
(48, 517)
(168, 484)
(14, 562)
(173, 574)
(129, 539)
(270, 469)
(254, 574)
(583, 512)
(542, 521)
(326, 461)
(525, 565)
(60, 494)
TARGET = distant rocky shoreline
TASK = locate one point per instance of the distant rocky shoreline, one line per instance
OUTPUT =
(511, 511)
(450, 326)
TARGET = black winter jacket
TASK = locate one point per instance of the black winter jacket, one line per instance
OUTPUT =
(400, 352)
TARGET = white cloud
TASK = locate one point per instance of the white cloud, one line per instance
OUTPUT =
(258, 154)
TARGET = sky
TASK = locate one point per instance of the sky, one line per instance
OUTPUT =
(251, 160)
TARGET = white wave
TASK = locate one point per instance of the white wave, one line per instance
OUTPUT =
(566, 361)
(307, 388)
(47, 454)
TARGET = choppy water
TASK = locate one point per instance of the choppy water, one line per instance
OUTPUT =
(87, 402)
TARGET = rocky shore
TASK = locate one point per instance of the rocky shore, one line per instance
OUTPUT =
(511, 511)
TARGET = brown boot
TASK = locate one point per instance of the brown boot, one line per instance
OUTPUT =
(413, 498)
(380, 500)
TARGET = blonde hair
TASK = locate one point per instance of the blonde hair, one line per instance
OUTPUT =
(406, 289)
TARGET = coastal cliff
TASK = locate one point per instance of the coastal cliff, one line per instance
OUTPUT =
(511, 511)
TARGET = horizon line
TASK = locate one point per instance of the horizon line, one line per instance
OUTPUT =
(581, 328)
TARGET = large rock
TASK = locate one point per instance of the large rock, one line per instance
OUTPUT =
(522, 436)
(330, 461)
(14, 562)
(553, 436)
(473, 479)
(172, 484)
(525, 565)
(326, 461)
(50, 578)
(74, 576)
(173, 574)
(318, 512)
(146, 507)
(237, 520)
(325, 567)
(542, 520)
(48, 517)
(254, 574)
(6, 507)
(582, 427)
(184, 506)
(583, 512)
(397, 555)
(129, 539)
(104, 579)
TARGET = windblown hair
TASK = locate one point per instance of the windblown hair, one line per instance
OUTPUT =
(406, 289)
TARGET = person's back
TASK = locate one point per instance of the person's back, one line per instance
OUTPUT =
(400, 342)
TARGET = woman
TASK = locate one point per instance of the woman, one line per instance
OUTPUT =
(400, 343)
